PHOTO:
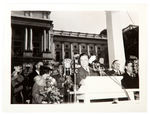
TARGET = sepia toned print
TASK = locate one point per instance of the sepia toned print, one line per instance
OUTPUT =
(50, 66)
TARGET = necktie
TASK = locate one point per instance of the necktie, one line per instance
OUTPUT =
(87, 69)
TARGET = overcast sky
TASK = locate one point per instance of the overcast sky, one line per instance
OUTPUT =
(88, 21)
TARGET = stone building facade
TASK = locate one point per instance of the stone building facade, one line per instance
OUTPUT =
(68, 43)
(33, 39)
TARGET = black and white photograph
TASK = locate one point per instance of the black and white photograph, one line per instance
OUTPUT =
(51, 66)
(76, 58)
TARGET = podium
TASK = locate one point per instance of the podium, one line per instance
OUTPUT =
(101, 87)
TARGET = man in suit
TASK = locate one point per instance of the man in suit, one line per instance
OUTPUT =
(129, 80)
(84, 70)
(35, 72)
(115, 69)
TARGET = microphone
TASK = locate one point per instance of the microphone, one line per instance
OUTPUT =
(75, 71)
(67, 66)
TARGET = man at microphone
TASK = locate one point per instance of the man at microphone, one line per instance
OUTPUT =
(84, 70)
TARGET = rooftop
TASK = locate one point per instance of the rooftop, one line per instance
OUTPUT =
(76, 34)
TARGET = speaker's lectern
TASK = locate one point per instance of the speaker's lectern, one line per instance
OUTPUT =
(101, 87)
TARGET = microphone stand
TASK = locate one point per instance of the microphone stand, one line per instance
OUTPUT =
(74, 72)
(116, 81)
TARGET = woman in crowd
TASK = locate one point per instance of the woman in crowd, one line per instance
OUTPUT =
(97, 67)
(17, 85)
(40, 84)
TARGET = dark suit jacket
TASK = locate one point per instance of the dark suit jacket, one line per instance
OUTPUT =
(31, 78)
(113, 73)
(82, 74)
(129, 81)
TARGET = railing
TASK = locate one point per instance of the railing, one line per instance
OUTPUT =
(77, 34)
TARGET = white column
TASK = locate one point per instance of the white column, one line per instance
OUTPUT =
(80, 49)
(52, 42)
(30, 13)
(115, 38)
(31, 44)
(49, 41)
(26, 39)
(44, 40)
(95, 49)
(72, 53)
(48, 15)
(53, 51)
(88, 49)
(63, 52)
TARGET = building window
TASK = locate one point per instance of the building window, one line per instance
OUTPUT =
(66, 54)
(66, 46)
(99, 48)
(91, 54)
(17, 41)
(57, 45)
(75, 47)
(57, 56)
(37, 52)
(27, 13)
(46, 15)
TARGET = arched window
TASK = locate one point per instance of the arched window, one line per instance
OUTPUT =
(75, 47)
(66, 46)
(91, 48)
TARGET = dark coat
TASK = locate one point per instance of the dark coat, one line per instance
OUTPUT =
(82, 74)
(31, 83)
(16, 89)
(31, 78)
(113, 73)
(129, 81)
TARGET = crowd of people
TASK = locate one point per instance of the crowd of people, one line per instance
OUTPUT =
(51, 82)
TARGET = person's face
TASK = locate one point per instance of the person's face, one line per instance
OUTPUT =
(129, 68)
(135, 65)
(97, 65)
(18, 69)
(84, 61)
(101, 60)
(60, 69)
(39, 65)
(117, 65)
